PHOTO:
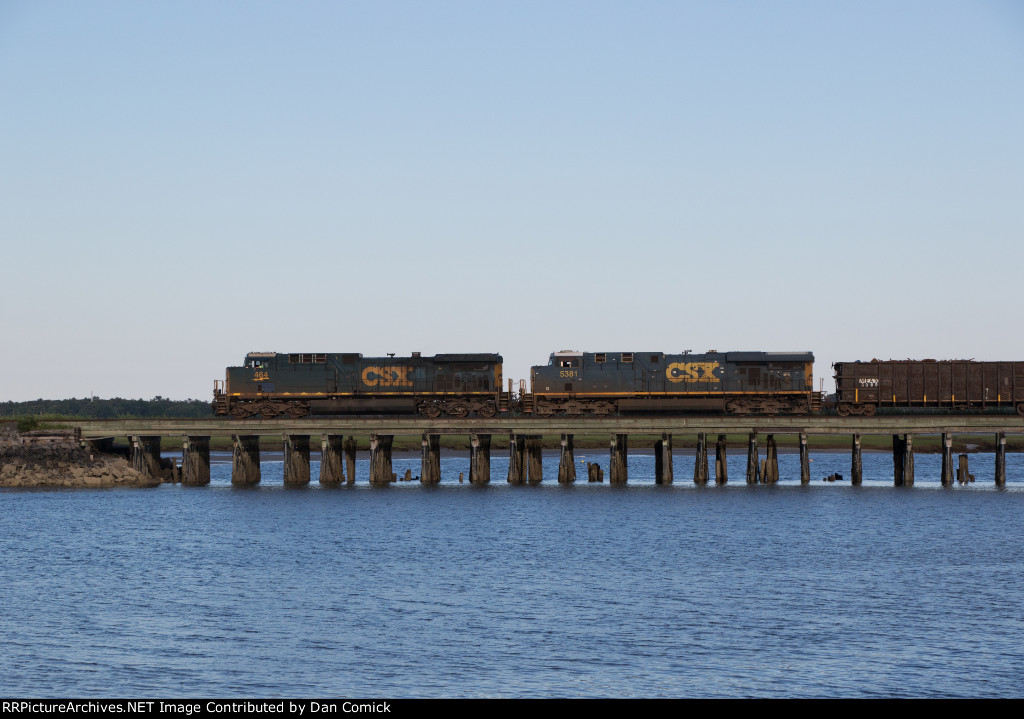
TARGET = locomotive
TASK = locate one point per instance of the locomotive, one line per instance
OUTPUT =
(957, 385)
(270, 384)
(602, 383)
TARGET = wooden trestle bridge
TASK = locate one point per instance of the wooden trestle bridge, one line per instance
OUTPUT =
(338, 446)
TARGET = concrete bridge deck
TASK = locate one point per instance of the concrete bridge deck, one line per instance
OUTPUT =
(878, 425)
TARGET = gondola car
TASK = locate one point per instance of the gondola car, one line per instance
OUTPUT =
(269, 384)
(602, 383)
(962, 385)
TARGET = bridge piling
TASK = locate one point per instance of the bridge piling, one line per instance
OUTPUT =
(946, 476)
(963, 475)
(245, 460)
(146, 456)
(195, 461)
(381, 473)
(618, 470)
(857, 465)
(1001, 459)
(534, 466)
(663, 459)
(516, 456)
(567, 461)
(721, 463)
(753, 469)
(479, 458)
(332, 472)
(296, 460)
(430, 459)
(350, 459)
(805, 460)
(700, 466)
(771, 464)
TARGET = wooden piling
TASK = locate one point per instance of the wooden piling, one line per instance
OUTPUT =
(145, 456)
(753, 470)
(1001, 459)
(908, 460)
(381, 473)
(296, 460)
(430, 459)
(963, 474)
(195, 461)
(332, 459)
(899, 449)
(479, 458)
(721, 463)
(516, 459)
(771, 463)
(663, 459)
(700, 465)
(594, 472)
(618, 458)
(350, 460)
(245, 461)
(946, 476)
(567, 462)
(805, 460)
(857, 468)
(534, 463)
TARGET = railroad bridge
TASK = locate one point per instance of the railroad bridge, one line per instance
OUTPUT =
(338, 446)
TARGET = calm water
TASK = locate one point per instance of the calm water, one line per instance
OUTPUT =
(589, 590)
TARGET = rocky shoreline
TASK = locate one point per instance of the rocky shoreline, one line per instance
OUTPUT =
(36, 460)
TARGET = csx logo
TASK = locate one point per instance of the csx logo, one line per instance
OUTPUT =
(691, 372)
(387, 377)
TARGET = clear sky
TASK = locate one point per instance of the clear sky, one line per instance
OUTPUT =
(184, 182)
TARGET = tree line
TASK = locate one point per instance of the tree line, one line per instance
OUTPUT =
(115, 408)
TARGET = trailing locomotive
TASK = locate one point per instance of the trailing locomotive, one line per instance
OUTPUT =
(269, 384)
(864, 387)
(602, 383)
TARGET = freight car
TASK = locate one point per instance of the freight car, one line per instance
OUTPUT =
(269, 384)
(864, 387)
(602, 383)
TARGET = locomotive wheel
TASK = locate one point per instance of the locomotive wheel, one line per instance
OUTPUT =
(239, 411)
(268, 411)
(1020, 409)
(431, 410)
(458, 411)
(297, 411)
(869, 410)
(843, 410)
(487, 411)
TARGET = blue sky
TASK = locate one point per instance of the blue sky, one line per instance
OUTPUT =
(181, 183)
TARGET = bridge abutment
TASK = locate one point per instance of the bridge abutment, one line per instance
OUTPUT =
(721, 461)
(381, 473)
(430, 459)
(296, 460)
(663, 459)
(618, 469)
(332, 470)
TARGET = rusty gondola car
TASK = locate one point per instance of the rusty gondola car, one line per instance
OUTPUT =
(963, 385)
(270, 384)
(602, 383)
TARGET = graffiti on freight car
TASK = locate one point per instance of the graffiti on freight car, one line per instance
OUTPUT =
(692, 372)
(387, 376)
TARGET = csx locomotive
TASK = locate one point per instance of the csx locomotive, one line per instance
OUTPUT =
(269, 384)
(602, 383)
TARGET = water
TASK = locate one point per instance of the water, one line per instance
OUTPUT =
(588, 590)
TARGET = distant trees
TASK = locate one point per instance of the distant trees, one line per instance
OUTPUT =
(116, 408)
